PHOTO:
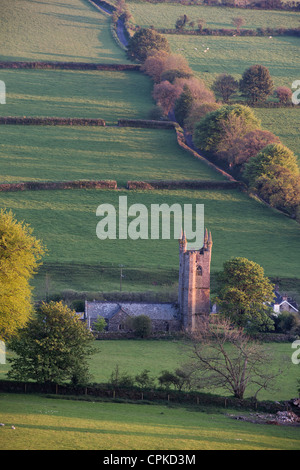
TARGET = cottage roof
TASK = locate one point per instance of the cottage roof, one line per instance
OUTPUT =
(279, 300)
(155, 311)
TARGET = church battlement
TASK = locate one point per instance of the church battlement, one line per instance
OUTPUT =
(194, 282)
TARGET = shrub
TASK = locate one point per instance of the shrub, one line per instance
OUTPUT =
(284, 94)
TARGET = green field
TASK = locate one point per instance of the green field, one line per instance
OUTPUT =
(165, 16)
(61, 93)
(235, 54)
(47, 424)
(134, 356)
(38, 153)
(283, 122)
(73, 31)
(66, 222)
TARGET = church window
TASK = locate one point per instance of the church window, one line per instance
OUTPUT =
(199, 270)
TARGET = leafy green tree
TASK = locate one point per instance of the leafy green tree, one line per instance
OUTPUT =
(52, 348)
(146, 41)
(263, 163)
(144, 380)
(245, 294)
(280, 188)
(99, 325)
(183, 105)
(210, 130)
(256, 83)
(225, 85)
(20, 256)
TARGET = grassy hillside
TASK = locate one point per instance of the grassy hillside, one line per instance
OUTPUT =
(235, 54)
(62, 93)
(72, 30)
(57, 153)
(66, 222)
(165, 16)
(43, 423)
(283, 122)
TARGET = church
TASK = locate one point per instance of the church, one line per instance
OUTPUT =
(185, 315)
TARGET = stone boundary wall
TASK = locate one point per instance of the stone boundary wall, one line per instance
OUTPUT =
(49, 185)
(146, 124)
(50, 121)
(69, 66)
(183, 184)
(153, 395)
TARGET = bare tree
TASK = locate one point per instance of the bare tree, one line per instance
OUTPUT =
(222, 356)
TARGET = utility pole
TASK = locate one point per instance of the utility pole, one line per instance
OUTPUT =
(121, 275)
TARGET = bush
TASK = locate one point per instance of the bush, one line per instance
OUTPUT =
(140, 325)
(284, 94)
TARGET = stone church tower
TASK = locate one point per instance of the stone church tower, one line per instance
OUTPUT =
(194, 282)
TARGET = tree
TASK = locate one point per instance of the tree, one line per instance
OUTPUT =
(144, 380)
(225, 85)
(201, 23)
(233, 130)
(181, 22)
(238, 22)
(99, 325)
(245, 294)
(263, 163)
(197, 112)
(280, 188)
(141, 325)
(154, 64)
(20, 256)
(183, 105)
(225, 357)
(179, 379)
(210, 130)
(284, 94)
(248, 146)
(165, 94)
(256, 83)
(197, 88)
(52, 348)
(144, 41)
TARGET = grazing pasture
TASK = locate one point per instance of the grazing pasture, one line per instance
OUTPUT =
(233, 55)
(64, 93)
(283, 122)
(64, 153)
(72, 30)
(46, 424)
(165, 16)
